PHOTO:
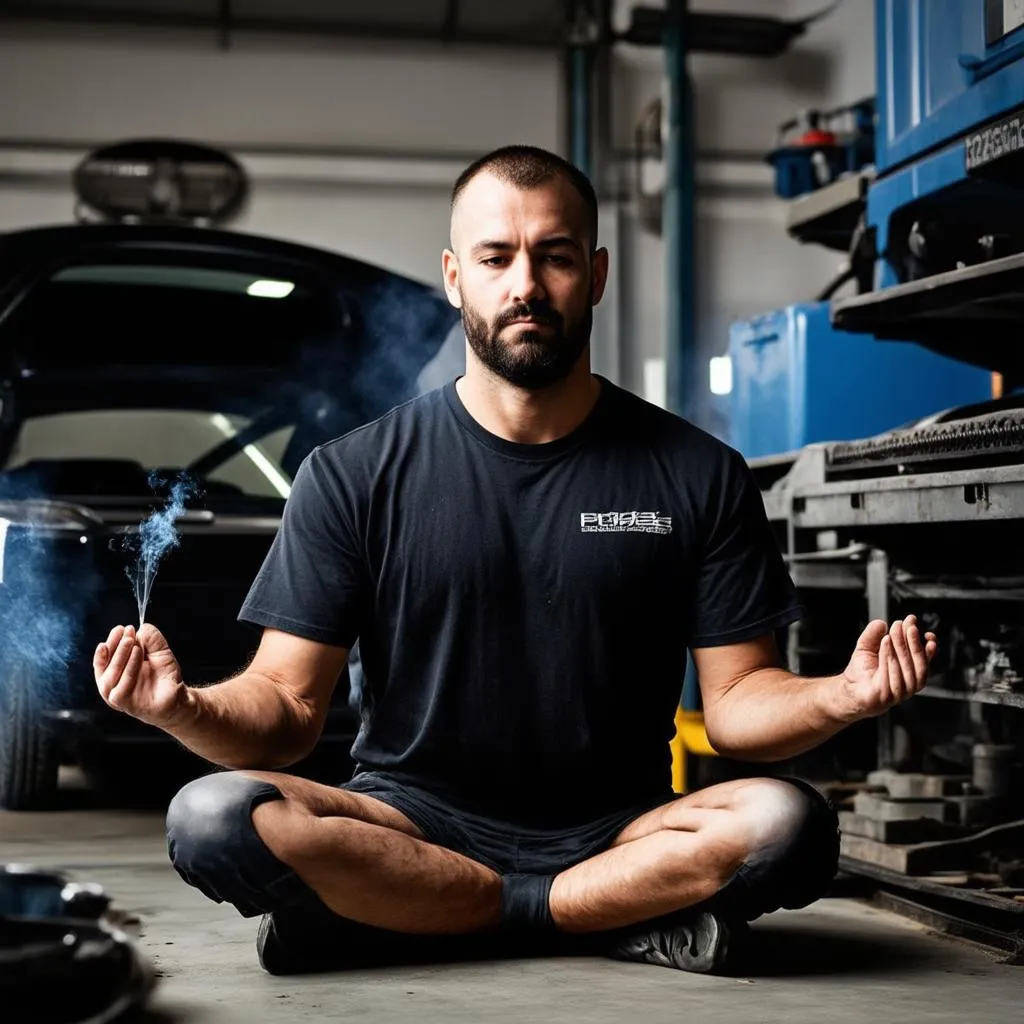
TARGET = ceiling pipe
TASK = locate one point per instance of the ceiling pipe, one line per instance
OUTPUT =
(445, 32)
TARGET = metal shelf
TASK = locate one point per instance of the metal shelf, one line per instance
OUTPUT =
(1013, 700)
(829, 216)
(972, 314)
(976, 495)
(951, 592)
(827, 575)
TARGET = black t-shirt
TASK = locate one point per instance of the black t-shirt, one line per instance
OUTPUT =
(524, 611)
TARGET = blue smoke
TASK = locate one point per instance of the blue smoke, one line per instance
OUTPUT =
(405, 326)
(156, 536)
(39, 627)
(49, 584)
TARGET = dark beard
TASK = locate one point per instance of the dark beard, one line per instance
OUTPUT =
(538, 359)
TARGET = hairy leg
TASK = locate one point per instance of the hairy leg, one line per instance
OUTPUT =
(678, 855)
(369, 863)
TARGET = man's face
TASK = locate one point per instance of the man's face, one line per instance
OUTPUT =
(525, 278)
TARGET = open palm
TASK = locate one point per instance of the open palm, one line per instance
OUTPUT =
(889, 665)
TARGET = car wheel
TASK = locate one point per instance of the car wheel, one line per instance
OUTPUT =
(29, 756)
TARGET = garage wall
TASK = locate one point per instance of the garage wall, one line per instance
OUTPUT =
(353, 146)
(270, 91)
(368, 106)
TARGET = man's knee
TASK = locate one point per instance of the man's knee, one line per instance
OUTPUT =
(794, 852)
(212, 816)
(789, 811)
(213, 844)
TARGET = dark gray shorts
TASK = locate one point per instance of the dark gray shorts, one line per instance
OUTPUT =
(505, 848)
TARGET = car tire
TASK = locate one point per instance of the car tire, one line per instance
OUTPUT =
(29, 755)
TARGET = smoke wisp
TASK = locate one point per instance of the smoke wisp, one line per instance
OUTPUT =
(157, 535)
(46, 585)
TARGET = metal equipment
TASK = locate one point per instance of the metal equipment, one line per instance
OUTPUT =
(65, 957)
(947, 197)
(831, 144)
(925, 517)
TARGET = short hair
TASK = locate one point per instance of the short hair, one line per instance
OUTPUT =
(527, 167)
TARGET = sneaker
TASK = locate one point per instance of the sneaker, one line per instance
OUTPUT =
(271, 952)
(315, 941)
(703, 944)
(303, 943)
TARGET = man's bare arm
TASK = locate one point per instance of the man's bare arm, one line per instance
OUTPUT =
(269, 716)
(755, 710)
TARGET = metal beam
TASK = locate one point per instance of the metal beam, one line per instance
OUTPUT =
(877, 594)
(603, 146)
(226, 18)
(584, 36)
(52, 166)
(678, 216)
(449, 27)
(580, 115)
(532, 39)
(28, 158)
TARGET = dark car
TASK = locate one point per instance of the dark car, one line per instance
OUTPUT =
(134, 359)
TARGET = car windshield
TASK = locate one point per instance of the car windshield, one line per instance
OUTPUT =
(112, 453)
(227, 357)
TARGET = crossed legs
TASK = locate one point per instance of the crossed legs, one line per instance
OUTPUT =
(265, 840)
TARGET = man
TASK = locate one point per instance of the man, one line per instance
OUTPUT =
(525, 556)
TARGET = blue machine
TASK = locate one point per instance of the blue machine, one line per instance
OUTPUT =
(945, 213)
(936, 245)
(798, 380)
(943, 67)
(950, 80)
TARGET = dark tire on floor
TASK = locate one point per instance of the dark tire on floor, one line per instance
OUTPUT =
(29, 755)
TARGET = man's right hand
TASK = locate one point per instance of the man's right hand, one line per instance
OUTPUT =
(138, 674)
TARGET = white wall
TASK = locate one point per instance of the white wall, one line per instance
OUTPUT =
(411, 104)
(298, 91)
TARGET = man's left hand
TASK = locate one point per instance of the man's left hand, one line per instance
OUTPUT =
(888, 666)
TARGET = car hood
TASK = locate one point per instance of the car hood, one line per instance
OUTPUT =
(87, 322)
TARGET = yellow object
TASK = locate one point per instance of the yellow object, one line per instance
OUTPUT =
(691, 737)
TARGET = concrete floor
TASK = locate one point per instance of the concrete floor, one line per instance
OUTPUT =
(839, 960)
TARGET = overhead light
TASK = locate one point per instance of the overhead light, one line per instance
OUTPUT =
(720, 375)
(266, 289)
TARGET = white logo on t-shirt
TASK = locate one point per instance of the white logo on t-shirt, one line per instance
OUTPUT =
(625, 522)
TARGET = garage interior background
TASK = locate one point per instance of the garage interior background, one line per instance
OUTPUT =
(352, 143)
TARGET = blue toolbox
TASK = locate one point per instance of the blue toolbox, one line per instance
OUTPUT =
(829, 144)
(798, 380)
